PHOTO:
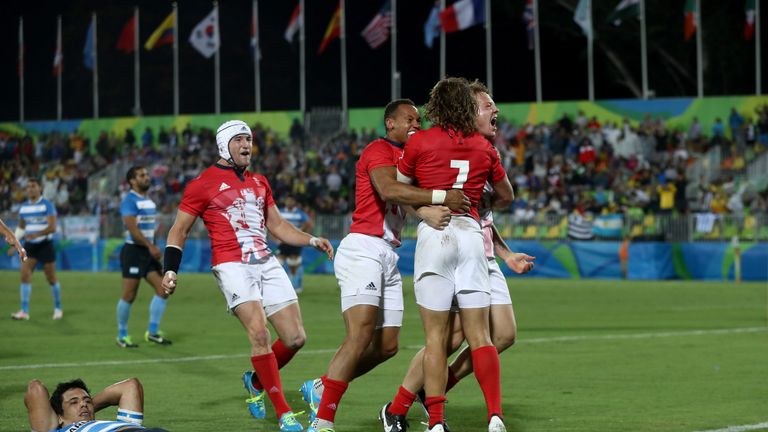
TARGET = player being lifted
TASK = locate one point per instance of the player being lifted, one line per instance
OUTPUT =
(238, 208)
(366, 262)
(503, 326)
(451, 265)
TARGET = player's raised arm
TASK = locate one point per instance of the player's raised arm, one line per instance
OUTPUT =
(287, 233)
(177, 238)
(127, 395)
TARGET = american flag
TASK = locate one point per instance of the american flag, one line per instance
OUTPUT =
(377, 31)
(530, 23)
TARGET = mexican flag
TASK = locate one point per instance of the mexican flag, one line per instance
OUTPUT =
(749, 24)
(690, 18)
(625, 10)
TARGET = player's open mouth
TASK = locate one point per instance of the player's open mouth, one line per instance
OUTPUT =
(493, 121)
(245, 153)
(411, 132)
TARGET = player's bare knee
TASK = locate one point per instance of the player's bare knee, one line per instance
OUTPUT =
(295, 342)
(504, 341)
(35, 391)
(388, 350)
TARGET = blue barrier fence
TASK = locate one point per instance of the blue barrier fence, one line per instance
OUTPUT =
(554, 259)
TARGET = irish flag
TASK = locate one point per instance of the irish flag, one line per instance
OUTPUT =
(690, 18)
(462, 15)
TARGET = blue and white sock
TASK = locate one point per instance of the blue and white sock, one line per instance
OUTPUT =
(298, 277)
(56, 293)
(26, 293)
(123, 313)
(130, 416)
(156, 310)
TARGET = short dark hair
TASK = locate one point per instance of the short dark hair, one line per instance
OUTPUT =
(389, 110)
(131, 174)
(61, 388)
(34, 180)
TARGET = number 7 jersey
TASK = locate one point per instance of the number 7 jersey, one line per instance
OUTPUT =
(444, 159)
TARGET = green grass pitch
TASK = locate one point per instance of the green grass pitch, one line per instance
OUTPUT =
(591, 356)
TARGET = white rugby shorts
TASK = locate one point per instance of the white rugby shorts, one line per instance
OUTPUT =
(367, 273)
(457, 255)
(499, 289)
(264, 281)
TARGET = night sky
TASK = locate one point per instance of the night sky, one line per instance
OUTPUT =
(563, 55)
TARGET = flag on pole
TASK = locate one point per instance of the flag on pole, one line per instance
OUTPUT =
(294, 24)
(163, 34)
(462, 15)
(125, 43)
(377, 31)
(20, 68)
(690, 18)
(530, 23)
(749, 23)
(432, 26)
(88, 48)
(333, 30)
(625, 10)
(205, 35)
(583, 18)
(58, 57)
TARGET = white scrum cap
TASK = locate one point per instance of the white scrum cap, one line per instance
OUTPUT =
(226, 132)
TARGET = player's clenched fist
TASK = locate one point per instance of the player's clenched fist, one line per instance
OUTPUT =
(169, 282)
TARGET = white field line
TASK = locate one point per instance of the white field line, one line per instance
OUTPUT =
(741, 428)
(411, 347)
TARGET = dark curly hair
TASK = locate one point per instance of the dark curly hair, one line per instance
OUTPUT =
(452, 105)
(56, 397)
(477, 86)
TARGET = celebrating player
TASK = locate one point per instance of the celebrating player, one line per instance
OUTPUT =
(139, 258)
(37, 223)
(366, 263)
(237, 208)
(451, 264)
(502, 316)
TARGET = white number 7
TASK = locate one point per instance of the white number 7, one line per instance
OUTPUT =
(461, 178)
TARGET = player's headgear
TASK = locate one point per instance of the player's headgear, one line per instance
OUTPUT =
(226, 132)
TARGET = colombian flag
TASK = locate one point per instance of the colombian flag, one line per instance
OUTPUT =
(333, 31)
(163, 34)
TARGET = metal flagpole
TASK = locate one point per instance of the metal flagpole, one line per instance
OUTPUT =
(217, 64)
(643, 50)
(442, 44)
(136, 66)
(61, 70)
(21, 69)
(343, 37)
(488, 50)
(590, 53)
(395, 76)
(699, 65)
(302, 64)
(94, 54)
(256, 57)
(537, 48)
(758, 76)
(175, 59)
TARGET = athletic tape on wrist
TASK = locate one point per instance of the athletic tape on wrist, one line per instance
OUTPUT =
(171, 259)
(438, 196)
(19, 233)
(314, 242)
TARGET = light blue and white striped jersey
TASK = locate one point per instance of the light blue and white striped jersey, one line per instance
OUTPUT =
(145, 211)
(297, 217)
(96, 426)
(35, 216)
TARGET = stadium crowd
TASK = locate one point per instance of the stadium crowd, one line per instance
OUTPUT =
(576, 164)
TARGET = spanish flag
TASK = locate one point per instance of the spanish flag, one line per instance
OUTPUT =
(333, 31)
(163, 34)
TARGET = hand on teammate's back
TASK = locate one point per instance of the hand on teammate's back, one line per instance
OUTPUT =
(457, 201)
(436, 216)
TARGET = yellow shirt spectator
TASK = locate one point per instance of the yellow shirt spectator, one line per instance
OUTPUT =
(666, 196)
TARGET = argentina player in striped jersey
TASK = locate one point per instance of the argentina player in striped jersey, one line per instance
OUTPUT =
(140, 258)
(290, 255)
(37, 224)
(71, 408)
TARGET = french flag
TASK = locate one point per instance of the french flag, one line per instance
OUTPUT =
(462, 14)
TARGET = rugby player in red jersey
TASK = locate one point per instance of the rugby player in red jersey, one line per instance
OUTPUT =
(238, 208)
(366, 262)
(451, 265)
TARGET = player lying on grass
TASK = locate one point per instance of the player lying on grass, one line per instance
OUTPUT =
(71, 408)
